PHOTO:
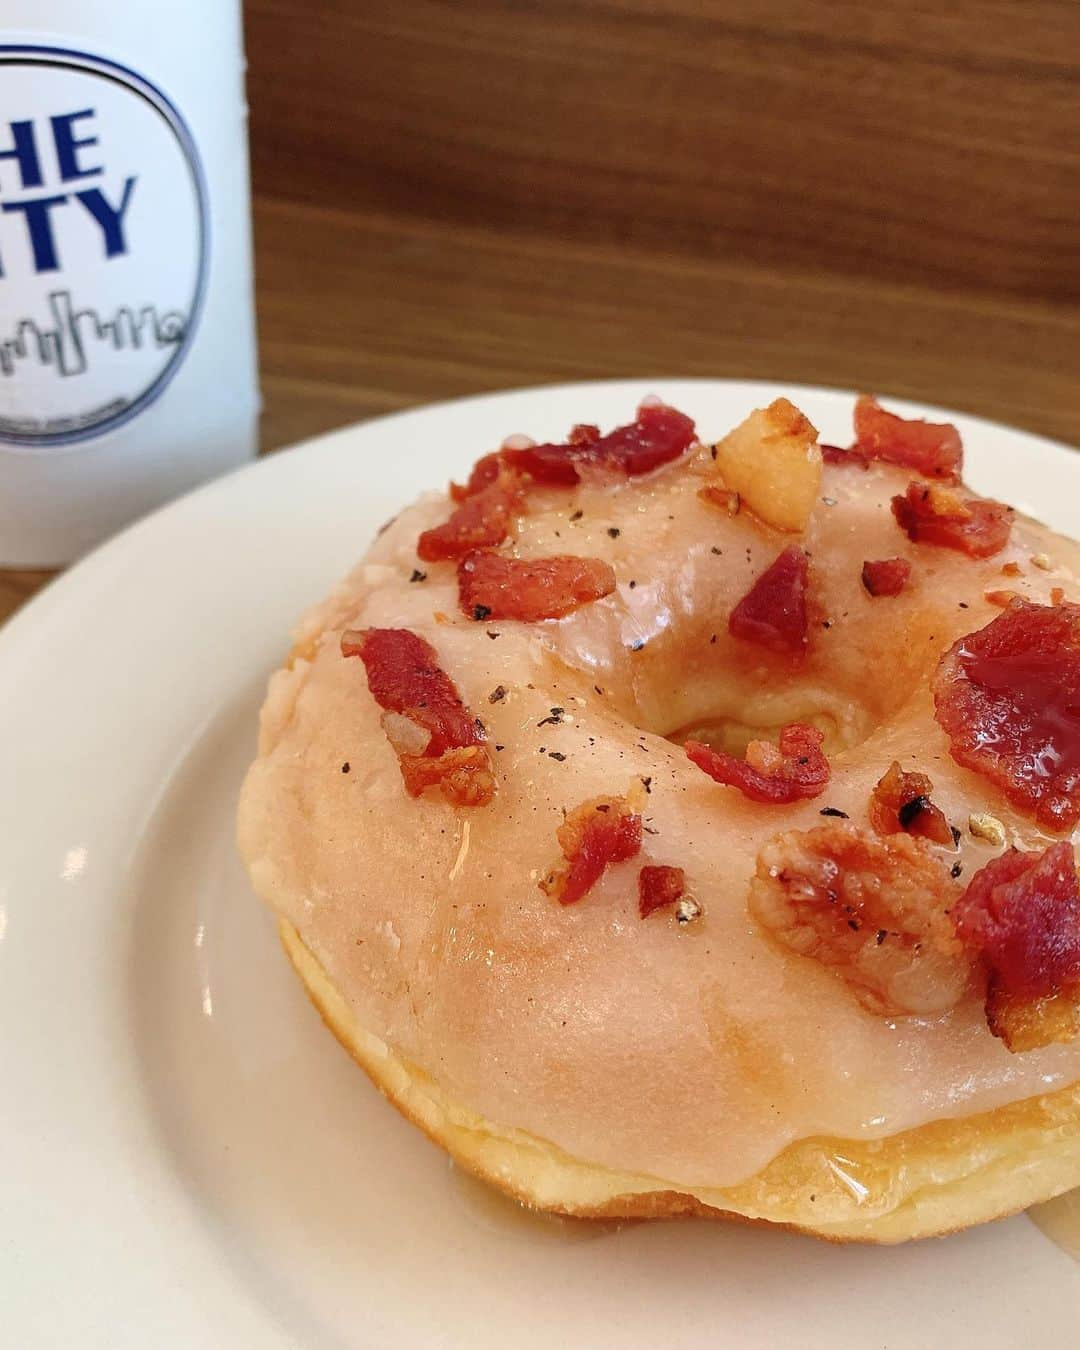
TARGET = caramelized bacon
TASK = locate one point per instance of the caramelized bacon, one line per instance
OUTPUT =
(1020, 916)
(1008, 698)
(934, 515)
(484, 472)
(658, 435)
(493, 587)
(483, 520)
(464, 776)
(930, 448)
(598, 832)
(889, 576)
(873, 912)
(436, 739)
(796, 770)
(773, 612)
(901, 803)
(659, 886)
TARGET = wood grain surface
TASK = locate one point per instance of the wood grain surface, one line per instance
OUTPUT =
(453, 198)
(920, 142)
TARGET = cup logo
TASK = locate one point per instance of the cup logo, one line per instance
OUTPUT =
(103, 239)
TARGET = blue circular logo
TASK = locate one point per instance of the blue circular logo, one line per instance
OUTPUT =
(104, 237)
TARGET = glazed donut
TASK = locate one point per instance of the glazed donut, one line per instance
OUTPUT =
(684, 828)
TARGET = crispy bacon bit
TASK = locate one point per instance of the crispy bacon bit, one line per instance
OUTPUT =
(1057, 595)
(1002, 599)
(724, 498)
(598, 832)
(463, 776)
(438, 742)
(1010, 569)
(934, 515)
(484, 472)
(901, 802)
(483, 520)
(1020, 916)
(852, 459)
(659, 886)
(930, 448)
(1008, 697)
(874, 912)
(658, 435)
(796, 770)
(493, 587)
(773, 611)
(889, 576)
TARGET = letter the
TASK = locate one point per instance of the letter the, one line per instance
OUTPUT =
(25, 151)
(68, 146)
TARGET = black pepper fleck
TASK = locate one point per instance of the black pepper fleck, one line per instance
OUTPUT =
(492, 635)
(912, 810)
(956, 869)
(614, 531)
(481, 611)
(556, 754)
(646, 783)
(881, 936)
(577, 515)
(833, 811)
(497, 694)
(718, 551)
(637, 644)
(345, 767)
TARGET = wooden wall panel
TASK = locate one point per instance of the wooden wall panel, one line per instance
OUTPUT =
(937, 144)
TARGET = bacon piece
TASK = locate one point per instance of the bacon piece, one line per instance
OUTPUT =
(901, 803)
(773, 611)
(1020, 916)
(934, 515)
(440, 742)
(873, 912)
(930, 448)
(888, 576)
(598, 832)
(485, 471)
(483, 520)
(464, 776)
(659, 886)
(1008, 698)
(796, 770)
(658, 435)
(833, 454)
(493, 587)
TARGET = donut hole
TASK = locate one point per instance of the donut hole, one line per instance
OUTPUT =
(727, 714)
(731, 735)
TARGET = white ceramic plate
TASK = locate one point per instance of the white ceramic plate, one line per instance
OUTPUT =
(187, 1158)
